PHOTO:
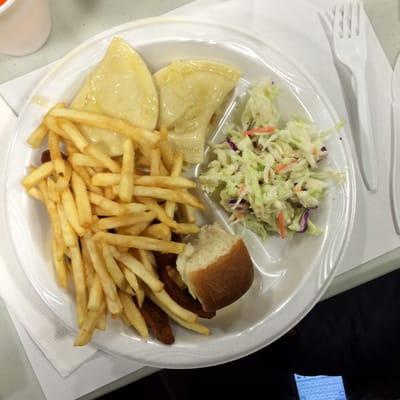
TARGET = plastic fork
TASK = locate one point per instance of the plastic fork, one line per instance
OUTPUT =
(350, 44)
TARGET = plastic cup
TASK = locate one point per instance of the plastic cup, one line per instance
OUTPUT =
(24, 26)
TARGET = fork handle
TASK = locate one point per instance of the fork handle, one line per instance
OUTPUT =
(369, 164)
(395, 167)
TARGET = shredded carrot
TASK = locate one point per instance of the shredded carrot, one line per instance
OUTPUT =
(266, 130)
(281, 166)
(281, 225)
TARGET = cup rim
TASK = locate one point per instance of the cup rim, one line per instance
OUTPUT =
(6, 6)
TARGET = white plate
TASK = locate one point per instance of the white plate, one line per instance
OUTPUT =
(291, 275)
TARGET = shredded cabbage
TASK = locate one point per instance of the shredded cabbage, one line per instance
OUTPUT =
(267, 173)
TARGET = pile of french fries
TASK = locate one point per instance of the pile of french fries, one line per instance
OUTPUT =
(108, 216)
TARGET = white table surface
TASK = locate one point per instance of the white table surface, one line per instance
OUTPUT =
(73, 22)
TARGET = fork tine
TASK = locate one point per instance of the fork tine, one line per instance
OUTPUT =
(346, 30)
(361, 19)
(337, 17)
(354, 18)
(327, 16)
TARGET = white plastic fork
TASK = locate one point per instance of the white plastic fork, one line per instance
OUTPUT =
(350, 44)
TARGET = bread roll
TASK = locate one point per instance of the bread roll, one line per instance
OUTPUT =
(216, 268)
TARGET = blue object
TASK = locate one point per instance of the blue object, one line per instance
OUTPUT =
(320, 387)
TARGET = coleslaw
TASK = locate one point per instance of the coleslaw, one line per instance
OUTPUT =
(267, 173)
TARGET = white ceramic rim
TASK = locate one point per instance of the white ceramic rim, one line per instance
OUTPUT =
(309, 296)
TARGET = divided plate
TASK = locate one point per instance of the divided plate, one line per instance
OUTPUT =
(291, 275)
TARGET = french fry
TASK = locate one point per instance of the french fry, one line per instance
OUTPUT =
(79, 284)
(105, 161)
(52, 190)
(108, 285)
(35, 193)
(60, 266)
(193, 326)
(54, 147)
(96, 295)
(167, 194)
(109, 193)
(135, 285)
(73, 134)
(71, 149)
(62, 183)
(67, 253)
(144, 161)
(161, 215)
(88, 269)
(128, 289)
(134, 230)
(100, 212)
(84, 174)
(138, 269)
(145, 151)
(131, 278)
(133, 315)
(114, 189)
(113, 269)
(86, 330)
(167, 182)
(127, 172)
(108, 205)
(166, 300)
(158, 231)
(176, 170)
(85, 160)
(52, 125)
(146, 259)
(177, 164)
(71, 211)
(112, 213)
(81, 200)
(140, 242)
(53, 215)
(186, 229)
(138, 135)
(188, 213)
(69, 235)
(155, 161)
(126, 220)
(64, 172)
(59, 166)
(106, 179)
(95, 220)
(102, 321)
(38, 135)
(37, 175)
(90, 171)
(124, 320)
(167, 152)
(163, 169)
(133, 208)
(152, 259)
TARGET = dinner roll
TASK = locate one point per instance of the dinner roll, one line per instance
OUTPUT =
(216, 268)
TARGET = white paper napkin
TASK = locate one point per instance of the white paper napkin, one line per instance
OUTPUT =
(53, 339)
